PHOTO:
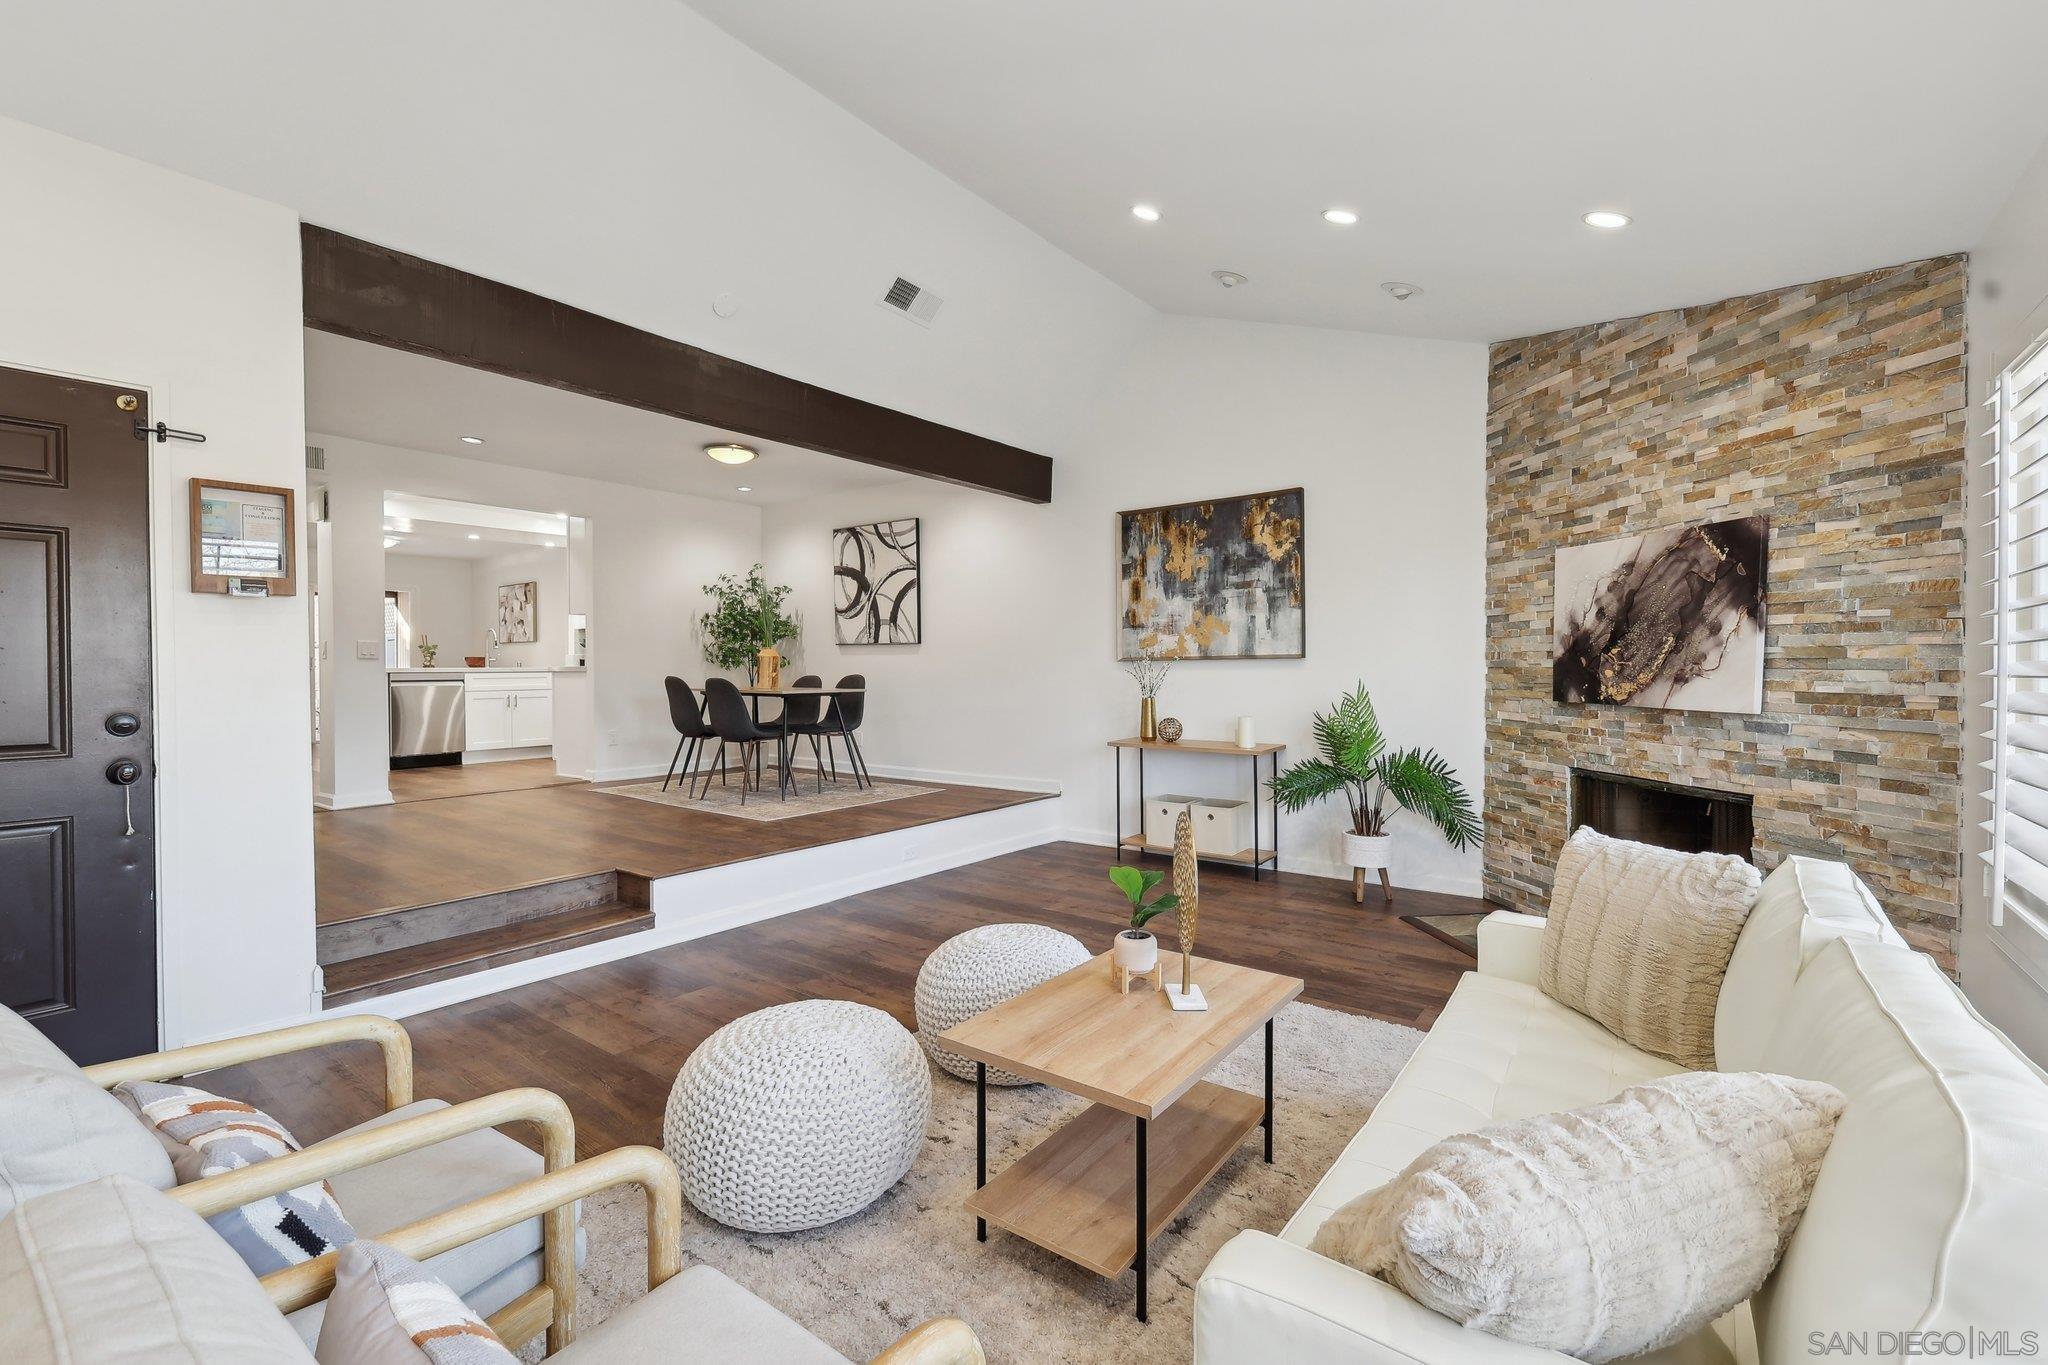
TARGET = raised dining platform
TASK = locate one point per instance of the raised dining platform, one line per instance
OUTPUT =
(412, 897)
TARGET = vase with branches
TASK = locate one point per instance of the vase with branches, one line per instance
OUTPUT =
(1355, 762)
(1149, 672)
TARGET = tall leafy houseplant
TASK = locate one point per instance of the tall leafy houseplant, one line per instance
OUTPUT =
(1355, 762)
(746, 617)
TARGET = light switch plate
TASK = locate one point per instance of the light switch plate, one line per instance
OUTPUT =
(366, 649)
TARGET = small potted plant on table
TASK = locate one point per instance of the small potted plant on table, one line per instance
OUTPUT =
(1355, 760)
(1136, 952)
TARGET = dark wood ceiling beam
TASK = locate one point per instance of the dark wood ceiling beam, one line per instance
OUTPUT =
(372, 293)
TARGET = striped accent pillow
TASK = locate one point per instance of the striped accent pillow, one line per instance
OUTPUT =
(208, 1135)
(387, 1309)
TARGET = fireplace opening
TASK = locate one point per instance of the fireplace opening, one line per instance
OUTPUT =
(1689, 819)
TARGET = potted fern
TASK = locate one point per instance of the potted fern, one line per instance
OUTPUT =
(1355, 761)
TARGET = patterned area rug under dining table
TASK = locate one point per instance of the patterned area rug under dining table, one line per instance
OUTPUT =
(911, 1255)
(804, 797)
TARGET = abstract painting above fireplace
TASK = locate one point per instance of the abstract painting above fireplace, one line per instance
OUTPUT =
(1671, 618)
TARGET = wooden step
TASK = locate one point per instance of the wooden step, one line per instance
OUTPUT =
(390, 930)
(361, 978)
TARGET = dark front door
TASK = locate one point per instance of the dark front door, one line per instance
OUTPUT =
(77, 785)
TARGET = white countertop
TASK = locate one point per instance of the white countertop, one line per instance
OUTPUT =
(423, 674)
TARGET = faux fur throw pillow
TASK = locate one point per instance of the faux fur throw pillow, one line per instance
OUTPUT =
(205, 1135)
(1602, 1232)
(1638, 939)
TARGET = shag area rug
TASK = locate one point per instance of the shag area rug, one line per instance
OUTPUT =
(911, 1255)
(804, 797)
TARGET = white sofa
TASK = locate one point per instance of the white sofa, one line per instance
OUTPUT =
(1929, 1214)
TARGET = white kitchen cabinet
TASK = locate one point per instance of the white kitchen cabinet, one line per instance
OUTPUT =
(508, 711)
(533, 718)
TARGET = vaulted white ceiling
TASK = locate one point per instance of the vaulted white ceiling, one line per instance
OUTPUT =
(1755, 142)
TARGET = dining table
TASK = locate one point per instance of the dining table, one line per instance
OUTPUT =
(785, 695)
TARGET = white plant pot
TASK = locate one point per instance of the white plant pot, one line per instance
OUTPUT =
(1136, 951)
(1370, 851)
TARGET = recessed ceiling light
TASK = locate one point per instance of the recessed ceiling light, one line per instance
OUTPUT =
(549, 545)
(730, 452)
(390, 541)
(1341, 217)
(1606, 218)
(745, 489)
(1145, 213)
(474, 536)
(472, 440)
(1229, 279)
(1402, 292)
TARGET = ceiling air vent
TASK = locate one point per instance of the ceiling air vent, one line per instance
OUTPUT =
(915, 302)
(316, 457)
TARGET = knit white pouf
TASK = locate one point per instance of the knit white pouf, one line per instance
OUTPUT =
(796, 1116)
(980, 969)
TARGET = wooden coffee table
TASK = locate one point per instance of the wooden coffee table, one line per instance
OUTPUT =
(1098, 1190)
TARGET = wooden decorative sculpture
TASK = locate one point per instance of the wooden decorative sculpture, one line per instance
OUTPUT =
(1187, 915)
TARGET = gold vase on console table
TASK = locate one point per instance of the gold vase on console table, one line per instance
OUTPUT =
(1187, 915)
(1148, 719)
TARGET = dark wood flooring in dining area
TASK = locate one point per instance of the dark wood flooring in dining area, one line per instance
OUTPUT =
(376, 859)
(609, 1039)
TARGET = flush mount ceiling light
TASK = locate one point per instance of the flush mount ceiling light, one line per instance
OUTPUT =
(1145, 213)
(1606, 219)
(474, 536)
(1402, 292)
(745, 489)
(1341, 217)
(730, 453)
(472, 440)
(1229, 279)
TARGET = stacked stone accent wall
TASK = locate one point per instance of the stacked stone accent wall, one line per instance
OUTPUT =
(1836, 409)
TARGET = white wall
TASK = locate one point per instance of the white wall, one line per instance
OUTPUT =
(120, 272)
(548, 570)
(651, 554)
(443, 597)
(1017, 679)
(2008, 308)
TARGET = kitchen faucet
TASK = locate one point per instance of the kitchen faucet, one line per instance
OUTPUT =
(491, 654)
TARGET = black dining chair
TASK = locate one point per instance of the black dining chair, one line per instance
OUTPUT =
(734, 724)
(801, 717)
(842, 720)
(688, 718)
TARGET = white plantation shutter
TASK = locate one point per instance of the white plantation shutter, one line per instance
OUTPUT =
(2018, 563)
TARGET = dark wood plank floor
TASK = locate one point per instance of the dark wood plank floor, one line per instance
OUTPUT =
(382, 858)
(474, 779)
(609, 1039)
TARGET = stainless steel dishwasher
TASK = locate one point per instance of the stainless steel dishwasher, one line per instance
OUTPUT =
(427, 721)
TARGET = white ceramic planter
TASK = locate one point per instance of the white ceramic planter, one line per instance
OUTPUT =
(1136, 951)
(1369, 851)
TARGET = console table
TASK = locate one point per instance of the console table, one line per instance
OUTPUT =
(1255, 857)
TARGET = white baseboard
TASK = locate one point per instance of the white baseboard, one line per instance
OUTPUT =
(351, 801)
(718, 898)
(1312, 867)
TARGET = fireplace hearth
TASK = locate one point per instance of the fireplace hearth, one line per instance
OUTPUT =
(1668, 814)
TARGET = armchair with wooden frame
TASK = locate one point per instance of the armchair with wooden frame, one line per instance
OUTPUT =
(549, 1306)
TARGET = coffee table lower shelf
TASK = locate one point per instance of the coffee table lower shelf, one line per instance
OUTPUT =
(1075, 1194)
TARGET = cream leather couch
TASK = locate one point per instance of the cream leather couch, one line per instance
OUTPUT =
(1930, 1213)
